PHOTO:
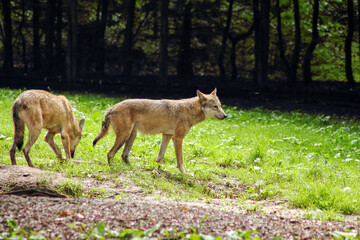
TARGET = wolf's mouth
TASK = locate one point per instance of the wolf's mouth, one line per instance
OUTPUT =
(222, 117)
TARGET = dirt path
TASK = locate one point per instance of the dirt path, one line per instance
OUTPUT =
(131, 208)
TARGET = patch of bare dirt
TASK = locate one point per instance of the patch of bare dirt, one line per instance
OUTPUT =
(137, 210)
(13, 178)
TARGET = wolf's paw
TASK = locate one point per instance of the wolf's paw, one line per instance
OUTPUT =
(160, 161)
(182, 170)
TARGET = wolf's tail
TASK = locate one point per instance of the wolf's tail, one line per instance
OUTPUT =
(104, 128)
(18, 126)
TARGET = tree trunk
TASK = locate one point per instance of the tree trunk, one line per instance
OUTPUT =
(257, 40)
(128, 41)
(224, 40)
(71, 55)
(164, 31)
(314, 41)
(23, 40)
(234, 40)
(100, 45)
(296, 53)
(8, 48)
(36, 37)
(49, 36)
(265, 26)
(155, 17)
(290, 66)
(291, 78)
(59, 52)
(359, 24)
(281, 44)
(261, 10)
(184, 66)
(234, 72)
(348, 41)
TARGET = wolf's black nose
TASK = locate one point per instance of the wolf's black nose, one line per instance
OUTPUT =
(225, 116)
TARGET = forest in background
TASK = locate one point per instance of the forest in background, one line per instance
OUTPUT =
(256, 43)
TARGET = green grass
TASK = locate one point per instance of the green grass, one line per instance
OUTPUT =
(71, 188)
(313, 161)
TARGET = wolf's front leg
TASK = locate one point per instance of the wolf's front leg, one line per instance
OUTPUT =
(178, 151)
(65, 139)
(164, 143)
(49, 138)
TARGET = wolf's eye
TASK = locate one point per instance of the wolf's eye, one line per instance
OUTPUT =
(215, 107)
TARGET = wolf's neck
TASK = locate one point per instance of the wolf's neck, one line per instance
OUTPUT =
(195, 108)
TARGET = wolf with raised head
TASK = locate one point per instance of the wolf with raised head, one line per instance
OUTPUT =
(38, 109)
(172, 118)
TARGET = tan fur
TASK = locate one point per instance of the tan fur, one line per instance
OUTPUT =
(172, 118)
(39, 109)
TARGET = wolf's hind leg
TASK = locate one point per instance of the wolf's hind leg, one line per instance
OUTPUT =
(165, 139)
(12, 154)
(49, 138)
(123, 128)
(118, 144)
(127, 147)
(33, 136)
(19, 127)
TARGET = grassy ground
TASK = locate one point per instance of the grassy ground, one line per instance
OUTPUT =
(312, 161)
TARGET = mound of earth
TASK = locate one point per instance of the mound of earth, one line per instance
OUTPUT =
(129, 207)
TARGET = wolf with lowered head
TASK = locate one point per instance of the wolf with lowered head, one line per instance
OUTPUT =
(172, 118)
(38, 109)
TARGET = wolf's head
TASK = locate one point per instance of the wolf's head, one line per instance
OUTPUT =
(211, 105)
(75, 136)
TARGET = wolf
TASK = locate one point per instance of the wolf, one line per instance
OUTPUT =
(172, 118)
(38, 109)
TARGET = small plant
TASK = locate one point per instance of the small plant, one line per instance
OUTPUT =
(243, 235)
(71, 188)
(351, 235)
(102, 232)
(96, 192)
(252, 208)
(259, 193)
(43, 182)
(326, 215)
(8, 187)
(256, 155)
(15, 232)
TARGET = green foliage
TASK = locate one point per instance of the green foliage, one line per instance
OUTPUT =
(350, 235)
(17, 233)
(208, 20)
(71, 188)
(102, 232)
(310, 160)
(261, 193)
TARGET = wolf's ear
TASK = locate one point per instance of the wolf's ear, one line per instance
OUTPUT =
(81, 123)
(214, 92)
(200, 95)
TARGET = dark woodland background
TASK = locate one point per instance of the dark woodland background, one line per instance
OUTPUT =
(307, 48)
